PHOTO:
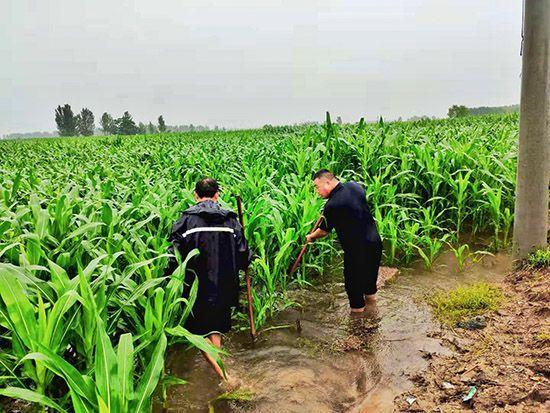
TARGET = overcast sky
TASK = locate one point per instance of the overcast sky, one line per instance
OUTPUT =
(241, 63)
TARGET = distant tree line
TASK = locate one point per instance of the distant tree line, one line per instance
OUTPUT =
(486, 110)
(280, 128)
(69, 124)
(458, 111)
(192, 128)
(419, 118)
(24, 135)
(292, 128)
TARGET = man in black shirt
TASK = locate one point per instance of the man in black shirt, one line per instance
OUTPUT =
(347, 212)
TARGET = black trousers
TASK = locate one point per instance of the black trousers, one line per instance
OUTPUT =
(361, 264)
(209, 318)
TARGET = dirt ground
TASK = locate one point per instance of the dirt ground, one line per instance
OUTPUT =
(508, 362)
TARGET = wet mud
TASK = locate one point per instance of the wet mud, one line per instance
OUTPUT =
(507, 363)
(326, 360)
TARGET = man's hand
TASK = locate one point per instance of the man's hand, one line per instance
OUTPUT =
(318, 233)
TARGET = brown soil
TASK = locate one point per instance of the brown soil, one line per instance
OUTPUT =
(507, 362)
(386, 274)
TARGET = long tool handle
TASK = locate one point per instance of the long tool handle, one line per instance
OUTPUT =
(247, 277)
(304, 248)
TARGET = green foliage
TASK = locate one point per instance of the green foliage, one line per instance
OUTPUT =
(142, 129)
(31, 396)
(107, 124)
(457, 111)
(84, 226)
(239, 395)
(85, 122)
(539, 258)
(461, 253)
(465, 302)
(66, 121)
(279, 128)
(492, 110)
(125, 125)
(151, 129)
(162, 124)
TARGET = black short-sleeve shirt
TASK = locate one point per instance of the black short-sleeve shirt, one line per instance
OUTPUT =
(346, 211)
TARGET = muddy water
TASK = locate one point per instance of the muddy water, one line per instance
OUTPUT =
(329, 361)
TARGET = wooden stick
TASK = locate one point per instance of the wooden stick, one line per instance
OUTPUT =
(247, 277)
(304, 248)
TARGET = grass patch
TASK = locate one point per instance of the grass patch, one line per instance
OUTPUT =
(465, 302)
(539, 259)
(543, 336)
(239, 395)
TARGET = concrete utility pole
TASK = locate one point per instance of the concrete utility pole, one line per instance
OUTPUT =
(533, 171)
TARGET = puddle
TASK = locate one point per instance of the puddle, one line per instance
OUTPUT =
(332, 362)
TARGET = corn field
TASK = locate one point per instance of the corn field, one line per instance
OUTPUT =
(86, 311)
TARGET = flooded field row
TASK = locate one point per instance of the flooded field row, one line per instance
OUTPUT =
(325, 360)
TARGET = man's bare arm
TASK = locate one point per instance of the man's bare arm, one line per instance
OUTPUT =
(318, 233)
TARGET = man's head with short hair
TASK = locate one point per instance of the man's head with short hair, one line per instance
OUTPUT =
(323, 173)
(324, 182)
(207, 188)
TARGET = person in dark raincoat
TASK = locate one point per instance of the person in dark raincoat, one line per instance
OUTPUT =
(219, 237)
(347, 212)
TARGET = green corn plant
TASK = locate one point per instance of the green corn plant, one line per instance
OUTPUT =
(493, 201)
(8, 367)
(391, 238)
(66, 202)
(408, 238)
(93, 303)
(165, 383)
(32, 323)
(111, 388)
(507, 220)
(461, 253)
(460, 184)
(429, 217)
(432, 248)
